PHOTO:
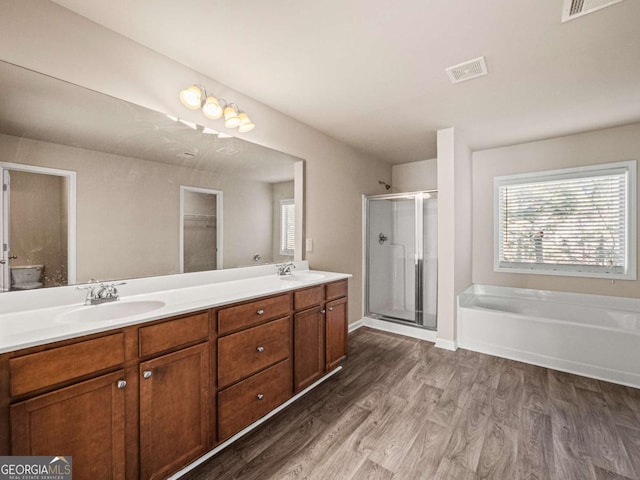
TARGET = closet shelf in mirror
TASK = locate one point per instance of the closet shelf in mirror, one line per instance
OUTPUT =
(206, 221)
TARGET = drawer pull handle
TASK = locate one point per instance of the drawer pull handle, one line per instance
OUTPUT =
(323, 311)
(260, 396)
(121, 384)
(260, 312)
(147, 374)
(260, 349)
(331, 309)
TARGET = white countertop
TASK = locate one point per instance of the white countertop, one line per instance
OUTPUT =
(31, 327)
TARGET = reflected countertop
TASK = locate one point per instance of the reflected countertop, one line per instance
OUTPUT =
(28, 328)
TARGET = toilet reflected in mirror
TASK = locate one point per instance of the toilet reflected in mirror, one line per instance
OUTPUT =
(28, 277)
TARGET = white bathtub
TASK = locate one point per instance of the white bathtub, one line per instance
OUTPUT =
(591, 335)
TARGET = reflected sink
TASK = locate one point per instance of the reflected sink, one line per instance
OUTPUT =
(109, 312)
(302, 277)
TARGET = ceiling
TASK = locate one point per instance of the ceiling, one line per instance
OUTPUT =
(371, 72)
(52, 110)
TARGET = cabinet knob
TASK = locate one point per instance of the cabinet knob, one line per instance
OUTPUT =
(323, 311)
(147, 374)
(260, 349)
(121, 384)
(260, 312)
(331, 309)
(260, 396)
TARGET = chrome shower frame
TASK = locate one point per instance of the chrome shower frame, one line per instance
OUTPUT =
(418, 257)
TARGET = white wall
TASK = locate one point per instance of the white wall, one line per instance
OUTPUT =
(454, 230)
(415, 176)
(602, 146)
(45, 37)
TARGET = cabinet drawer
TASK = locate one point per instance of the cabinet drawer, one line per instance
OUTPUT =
(167, 335)
(247, 401)
(244, 353)
(337, 289)
(308, 297)
(248, 314)
(47, 368)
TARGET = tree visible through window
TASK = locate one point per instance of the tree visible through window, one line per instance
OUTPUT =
(287, 227)
(571, 222)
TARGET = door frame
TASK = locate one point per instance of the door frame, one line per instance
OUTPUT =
(219, 224)
(71, 177)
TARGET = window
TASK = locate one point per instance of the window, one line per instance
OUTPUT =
(576, 221)
(287, 227)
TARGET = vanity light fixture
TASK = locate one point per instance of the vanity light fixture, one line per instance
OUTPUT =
(195, 97)
(191, 97)
(246, 125)
(231, 117)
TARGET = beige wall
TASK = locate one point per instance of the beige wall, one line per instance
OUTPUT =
(47, 38)
(602, 146)
(415, 176)
(128, 210)
(38, 224)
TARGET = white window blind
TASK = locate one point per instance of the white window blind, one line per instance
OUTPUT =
(568, 222)
(287, 227)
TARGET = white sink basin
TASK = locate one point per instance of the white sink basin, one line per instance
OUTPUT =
(109, 312)
(302, 277)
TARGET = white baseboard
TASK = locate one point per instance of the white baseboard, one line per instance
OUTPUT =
(253, 426)
(406, 330)
(446, 344)
(356, 325)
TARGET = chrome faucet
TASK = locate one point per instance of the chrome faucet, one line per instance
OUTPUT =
(285, 268)
(100, 293)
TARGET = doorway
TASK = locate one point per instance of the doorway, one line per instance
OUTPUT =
(37, 228)
(200, 229)
(401, 258)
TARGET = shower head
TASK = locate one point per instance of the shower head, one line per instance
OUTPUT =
(386, 185)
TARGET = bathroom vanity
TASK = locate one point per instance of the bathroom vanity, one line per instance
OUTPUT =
(146, 396)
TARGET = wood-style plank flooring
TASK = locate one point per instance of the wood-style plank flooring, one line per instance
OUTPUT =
(403, 409)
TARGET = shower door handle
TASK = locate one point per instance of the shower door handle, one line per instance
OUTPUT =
(3, 261)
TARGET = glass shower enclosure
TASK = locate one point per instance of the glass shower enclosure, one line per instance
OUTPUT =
(401, 257)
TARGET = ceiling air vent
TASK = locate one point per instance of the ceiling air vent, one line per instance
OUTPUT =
(467, 70)
(577, 8)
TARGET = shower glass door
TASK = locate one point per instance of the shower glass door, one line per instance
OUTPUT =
(401, 236)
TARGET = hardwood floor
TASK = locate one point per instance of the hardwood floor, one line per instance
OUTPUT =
(403, 409)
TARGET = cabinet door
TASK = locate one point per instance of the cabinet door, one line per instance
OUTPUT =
(309, 365)
(174, 410)
(336, 332)
(84, 421)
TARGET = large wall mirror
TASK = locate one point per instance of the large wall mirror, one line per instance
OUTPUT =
(98, 188)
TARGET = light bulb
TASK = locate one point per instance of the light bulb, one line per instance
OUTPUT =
(191, 97)
(246, 125)
(231, 118)
(211, 108)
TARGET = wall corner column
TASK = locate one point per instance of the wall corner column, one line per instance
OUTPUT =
(454, 231)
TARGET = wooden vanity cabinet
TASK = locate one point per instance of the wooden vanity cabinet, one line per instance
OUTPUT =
(320, 331)
(142, 402)
(309, 347)
(336, 332)
(254, 361)
(174, 394)
(174, 410)
(85, 421)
